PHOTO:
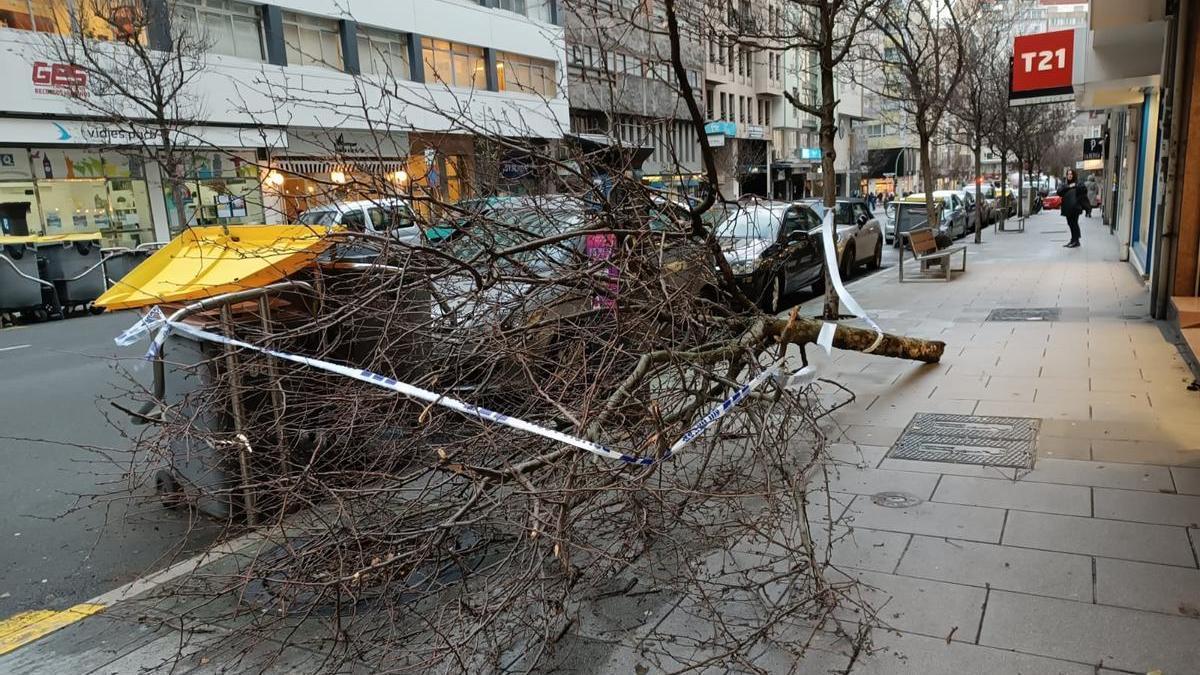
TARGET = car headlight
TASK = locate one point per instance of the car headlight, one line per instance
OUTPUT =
(743, 267)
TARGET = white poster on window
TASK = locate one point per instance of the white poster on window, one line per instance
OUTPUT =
(14, 164)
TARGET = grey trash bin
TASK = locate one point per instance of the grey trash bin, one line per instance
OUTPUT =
(74, 265)
(119, 262)
(20, 289)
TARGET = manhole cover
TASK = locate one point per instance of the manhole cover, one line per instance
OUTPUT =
(968, 439)
(1024, 314)
(896, 500)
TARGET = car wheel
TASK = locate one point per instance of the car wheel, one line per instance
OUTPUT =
(775, 295)
(846, 269)
(877, 259)
(818, 286)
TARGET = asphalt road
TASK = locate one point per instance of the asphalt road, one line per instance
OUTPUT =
(68, 529)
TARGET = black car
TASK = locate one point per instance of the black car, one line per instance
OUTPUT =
(774, 249)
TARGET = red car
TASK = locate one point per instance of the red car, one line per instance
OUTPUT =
(1051, 202)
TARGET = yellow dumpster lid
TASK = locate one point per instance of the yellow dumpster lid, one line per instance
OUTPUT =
(73, 236)
(205, 261)
(14, 240)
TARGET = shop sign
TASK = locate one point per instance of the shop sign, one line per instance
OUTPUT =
(59, 79)
(716, 140)
(811, 154)
(755, 131)
(720, 128)
(1093, 148)
(72, 132)
(1043, 67)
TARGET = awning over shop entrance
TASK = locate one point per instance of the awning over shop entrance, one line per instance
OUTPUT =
(888, 161)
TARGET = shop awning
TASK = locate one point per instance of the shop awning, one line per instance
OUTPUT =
(207, 261)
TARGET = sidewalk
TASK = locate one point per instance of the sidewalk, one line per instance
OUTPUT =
(1086, 563)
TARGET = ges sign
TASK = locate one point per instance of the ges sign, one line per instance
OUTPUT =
(1042, 66)
(58, 79)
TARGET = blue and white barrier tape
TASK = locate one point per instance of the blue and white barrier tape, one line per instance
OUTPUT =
(801, 377)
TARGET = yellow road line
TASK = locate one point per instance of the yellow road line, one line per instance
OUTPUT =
(23, 628)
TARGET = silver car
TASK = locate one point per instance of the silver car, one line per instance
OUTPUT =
(859, 234)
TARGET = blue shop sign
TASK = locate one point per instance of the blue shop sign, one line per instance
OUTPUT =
(720, 128)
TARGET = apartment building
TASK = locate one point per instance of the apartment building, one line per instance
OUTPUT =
(622, 88)
(291, 98)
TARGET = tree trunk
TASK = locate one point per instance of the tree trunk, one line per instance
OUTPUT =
(1004, 179)
(1020, 186)
(832, 310)
(931, 212)
(805, 331)
(978, 189)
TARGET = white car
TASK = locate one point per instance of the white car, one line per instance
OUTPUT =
(380, 216)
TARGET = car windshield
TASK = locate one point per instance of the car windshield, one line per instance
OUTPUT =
(751, 223)
(844, 215)
(507, 228)
(318, 217)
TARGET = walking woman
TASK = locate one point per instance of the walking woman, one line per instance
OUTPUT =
(1074, 200)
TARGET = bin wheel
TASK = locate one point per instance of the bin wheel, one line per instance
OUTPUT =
(167, 489)
(95, 309)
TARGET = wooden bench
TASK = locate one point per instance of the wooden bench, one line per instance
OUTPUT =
(1019, 228)
(925, 251)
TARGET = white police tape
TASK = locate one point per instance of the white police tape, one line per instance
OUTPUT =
(151, 321)
(799, 378)
(825, 339)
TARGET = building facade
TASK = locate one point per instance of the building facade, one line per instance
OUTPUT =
(290, 103)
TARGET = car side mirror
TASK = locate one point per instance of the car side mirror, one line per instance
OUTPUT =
(862, 219)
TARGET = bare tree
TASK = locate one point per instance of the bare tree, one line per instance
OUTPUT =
(971, 106)
(918, 62)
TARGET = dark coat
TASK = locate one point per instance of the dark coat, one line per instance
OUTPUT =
(1074, 198)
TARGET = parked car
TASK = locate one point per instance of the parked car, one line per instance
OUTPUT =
(859, 234)
(774, 249)
(1051, 202)
(911, 215)
(991, 212)
(968, 204)
(385, 215)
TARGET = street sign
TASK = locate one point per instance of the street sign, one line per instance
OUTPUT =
(1093, 148)
(1043, 65)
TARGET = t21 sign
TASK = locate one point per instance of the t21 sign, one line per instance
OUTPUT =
(1042, 68)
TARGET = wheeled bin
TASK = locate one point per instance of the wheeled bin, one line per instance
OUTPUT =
(21, 289)
(74, 264)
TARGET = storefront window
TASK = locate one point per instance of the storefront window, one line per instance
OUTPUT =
(220, 188)
(87, 191)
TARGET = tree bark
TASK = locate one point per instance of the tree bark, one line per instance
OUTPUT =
(832, 308)
(931, 212)
(804, 331)
(978, 188)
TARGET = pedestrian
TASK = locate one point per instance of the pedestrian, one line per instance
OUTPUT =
(871, 201)
(1074, 198)
(1093, 193)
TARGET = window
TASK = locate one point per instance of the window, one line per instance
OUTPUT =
(383, 53)
(454, 64)
(311, 41)
(517, 6)
(229, 28)
(722, 95)
(57, 16)
(708, 102)
(532, 76)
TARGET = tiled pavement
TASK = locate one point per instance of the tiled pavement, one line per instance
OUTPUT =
(1086, 563)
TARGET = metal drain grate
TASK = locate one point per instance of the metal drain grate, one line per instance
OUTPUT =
(1024, 314)
(968, 439)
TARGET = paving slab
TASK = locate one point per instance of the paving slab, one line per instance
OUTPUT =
(1062, 575)
(1100, 474)
(862, 548)
(922, 606)
(1141, 452)
(930, 518)
(871, 481)
(1155, 588)
(1187, 480)
(1119, 638)
(1094, 536)
(1072, 500)
(1148, 507)
(948, 468)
